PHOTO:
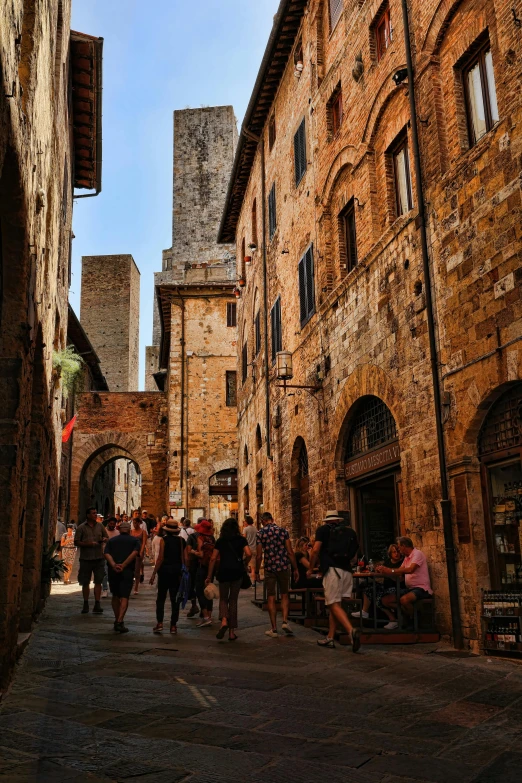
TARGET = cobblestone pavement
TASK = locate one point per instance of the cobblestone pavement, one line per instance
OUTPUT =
(89, 705)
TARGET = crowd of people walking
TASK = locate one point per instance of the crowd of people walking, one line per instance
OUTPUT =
(186, 560)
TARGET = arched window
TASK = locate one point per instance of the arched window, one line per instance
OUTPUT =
(372, 426)
(502, 428)
(259, 439)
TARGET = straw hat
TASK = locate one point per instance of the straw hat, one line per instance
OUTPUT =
(333, 516)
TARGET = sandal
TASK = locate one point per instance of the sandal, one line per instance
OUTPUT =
(232, 638)
(173, 629)
(222, 631)
(158, 628)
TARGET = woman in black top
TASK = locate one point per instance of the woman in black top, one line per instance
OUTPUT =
(168, 567)
(234, 556)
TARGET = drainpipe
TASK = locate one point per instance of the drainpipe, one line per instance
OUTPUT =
(261, 142)
(182, 413)
(434, 361)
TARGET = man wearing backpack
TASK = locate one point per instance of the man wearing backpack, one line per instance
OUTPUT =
(335, 547)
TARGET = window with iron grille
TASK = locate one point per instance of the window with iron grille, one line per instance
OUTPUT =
(271, 131)
(257, 333)
(272, 215)
(383, 32)
(502, 428)
(231, 388)
(336, 9)
(231, 314)
(300, 152)
(306, 286)
(275, 322)
(373, 426)
(348, 237)
(244, 362)
(480, 93)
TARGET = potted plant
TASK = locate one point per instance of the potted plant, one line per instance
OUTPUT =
(53, 566)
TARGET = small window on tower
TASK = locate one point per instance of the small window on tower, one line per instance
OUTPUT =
(334, 111)
(231, 314)
(231, 388)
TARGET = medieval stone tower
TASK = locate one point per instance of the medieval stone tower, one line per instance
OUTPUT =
(110, 315)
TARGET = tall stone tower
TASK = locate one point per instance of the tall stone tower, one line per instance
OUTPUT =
(110, 315)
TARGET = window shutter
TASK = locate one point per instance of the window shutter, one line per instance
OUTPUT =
(244, 362)
(275, 318)
(310, 293)
(302, 290)
(300, 152)
(336, 9)
(279, 343)
(272, 218)
(257, 328)
(231, 388)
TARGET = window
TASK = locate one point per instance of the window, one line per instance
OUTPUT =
(300, 152)
(272, 218)
(337, 112)
(257, 332)
(481, 95)
(383, 32)
(306, 286)
(231, 314)
(259, 439)
(275, 321)
(231, 390)
(244, 362)
(401, 170)
(271, 131)
(336, 9)
(254, 222)
(348, 237)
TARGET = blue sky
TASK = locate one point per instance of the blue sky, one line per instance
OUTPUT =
(159, 56)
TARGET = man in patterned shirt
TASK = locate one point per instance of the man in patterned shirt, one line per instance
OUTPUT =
(274, 542)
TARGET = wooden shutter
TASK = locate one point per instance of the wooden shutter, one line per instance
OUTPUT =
(306, 286)
(275, 318)
(461, 509)
(231, 314)
(257, 328)
(300, 152)
(231, 388)
(244, 362)
(272, 217)
(336, 9)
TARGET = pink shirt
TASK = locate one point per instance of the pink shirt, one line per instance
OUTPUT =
(420, 577)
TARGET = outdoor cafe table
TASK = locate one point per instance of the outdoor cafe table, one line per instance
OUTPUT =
(373, 577)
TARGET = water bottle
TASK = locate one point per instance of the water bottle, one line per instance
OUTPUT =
(371, 566)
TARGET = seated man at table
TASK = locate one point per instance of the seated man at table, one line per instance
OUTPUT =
(416, 576)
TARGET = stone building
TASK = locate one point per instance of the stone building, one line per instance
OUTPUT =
(50, 143)
(410, 350)
(194, 336)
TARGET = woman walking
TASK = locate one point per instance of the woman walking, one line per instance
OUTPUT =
(138, 532)
(171, 558)
(234, 556)
(68, 552)
(204, 552)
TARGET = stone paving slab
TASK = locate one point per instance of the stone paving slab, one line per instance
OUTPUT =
(89, 705)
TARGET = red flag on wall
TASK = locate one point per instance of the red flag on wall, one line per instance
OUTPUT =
(66, 432)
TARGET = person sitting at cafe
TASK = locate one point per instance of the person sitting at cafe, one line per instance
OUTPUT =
(416, 576)
(387, 586)
(302, 554)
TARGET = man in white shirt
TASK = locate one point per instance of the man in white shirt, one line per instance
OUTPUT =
(186, 528)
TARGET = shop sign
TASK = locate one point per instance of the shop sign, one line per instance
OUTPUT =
(174, 498)
(373, 460)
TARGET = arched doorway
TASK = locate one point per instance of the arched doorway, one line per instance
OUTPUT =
(371, 457)
(500, 452)
(300, 488)
(111, 481)
(222, 491)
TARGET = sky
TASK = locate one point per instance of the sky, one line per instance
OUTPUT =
(158, 56)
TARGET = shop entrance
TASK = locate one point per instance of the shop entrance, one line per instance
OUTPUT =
(372, 472)
(500, 450)
(377, 515)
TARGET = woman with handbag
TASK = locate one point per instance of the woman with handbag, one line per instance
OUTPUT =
(234, 556)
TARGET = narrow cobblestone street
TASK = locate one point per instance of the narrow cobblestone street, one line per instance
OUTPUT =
(88, 705)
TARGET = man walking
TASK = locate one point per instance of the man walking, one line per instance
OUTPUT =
(335, 547)
(250, 533)
(120, 553)
(89, 538)
(274, 543)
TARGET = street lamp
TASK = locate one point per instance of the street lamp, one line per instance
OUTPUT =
(285, 372)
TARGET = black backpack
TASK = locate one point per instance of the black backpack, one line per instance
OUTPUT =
(342, 542)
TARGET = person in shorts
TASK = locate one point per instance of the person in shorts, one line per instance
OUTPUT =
(273, 542)
(335, 547)
(120, 553)
(416, 577)
(90, 537)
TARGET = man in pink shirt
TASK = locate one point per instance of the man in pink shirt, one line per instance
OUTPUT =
(416, 576)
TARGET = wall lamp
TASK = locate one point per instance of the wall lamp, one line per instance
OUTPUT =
(285, 373)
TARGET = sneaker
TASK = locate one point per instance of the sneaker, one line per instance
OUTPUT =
(356, 640)
(97, 608)
(362, 614)
(272, 634)
(286, 628)
(193, 612)
(205, 621)
(391, 626)
(85, 609)
(326, 642)
(105, 594)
